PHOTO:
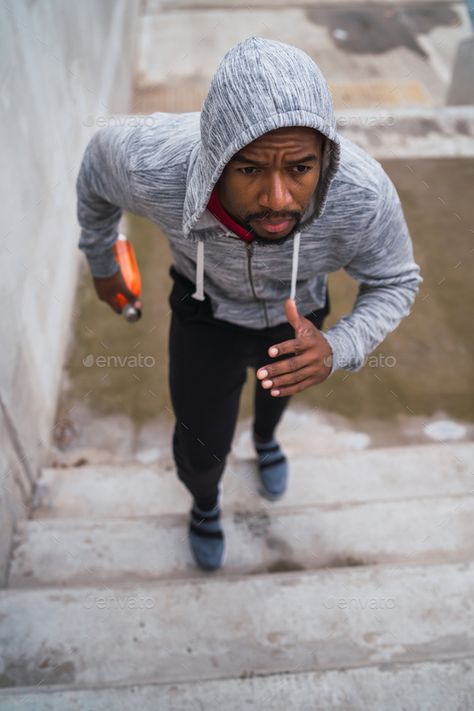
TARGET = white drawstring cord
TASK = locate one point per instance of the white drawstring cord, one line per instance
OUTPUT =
(199, 293)
(294, 265)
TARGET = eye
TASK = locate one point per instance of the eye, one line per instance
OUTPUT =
(247, 168)
(301, 169)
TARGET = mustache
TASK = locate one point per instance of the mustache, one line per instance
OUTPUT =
(262, 216)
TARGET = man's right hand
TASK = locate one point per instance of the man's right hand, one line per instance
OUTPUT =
(107, 289)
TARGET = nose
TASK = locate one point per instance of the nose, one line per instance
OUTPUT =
(275, 195)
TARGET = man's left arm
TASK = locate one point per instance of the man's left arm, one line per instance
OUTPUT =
(388, 280)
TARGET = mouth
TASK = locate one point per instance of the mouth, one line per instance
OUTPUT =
(274, 227)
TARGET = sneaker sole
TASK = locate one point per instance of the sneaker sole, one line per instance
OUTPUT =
(202, 567)
(268, 495)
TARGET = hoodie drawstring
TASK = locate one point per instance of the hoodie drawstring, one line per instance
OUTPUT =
(199, 293)
(294, 265)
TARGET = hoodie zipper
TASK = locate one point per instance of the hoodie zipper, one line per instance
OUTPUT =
(249, 248)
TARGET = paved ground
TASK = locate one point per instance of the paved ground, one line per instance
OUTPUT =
(372, 54)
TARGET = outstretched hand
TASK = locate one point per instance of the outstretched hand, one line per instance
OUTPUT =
(310, 361)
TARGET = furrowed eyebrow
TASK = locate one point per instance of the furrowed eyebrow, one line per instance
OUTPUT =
(239, 158)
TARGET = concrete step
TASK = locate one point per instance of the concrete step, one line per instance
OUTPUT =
(65, 552)
(371, 54)
(439, 132)
(423, 686)
(371, 475)
(219, 628)
(152, 6)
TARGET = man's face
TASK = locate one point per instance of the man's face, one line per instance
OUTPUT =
(267, 185)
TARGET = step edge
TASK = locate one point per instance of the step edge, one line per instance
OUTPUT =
(6, 692)
(279, 577)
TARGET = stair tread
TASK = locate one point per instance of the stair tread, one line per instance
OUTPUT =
(59, 551)
(376, 474)
(421, 686)
(338, 618)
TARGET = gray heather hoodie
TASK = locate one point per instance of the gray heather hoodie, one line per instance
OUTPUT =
(165, 166)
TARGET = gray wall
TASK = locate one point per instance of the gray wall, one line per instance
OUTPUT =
(65, 67)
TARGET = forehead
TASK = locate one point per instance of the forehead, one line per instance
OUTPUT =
(289, 137)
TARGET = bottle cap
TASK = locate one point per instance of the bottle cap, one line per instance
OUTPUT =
(130, 313)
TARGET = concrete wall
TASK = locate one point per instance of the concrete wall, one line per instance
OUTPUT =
(65, 67)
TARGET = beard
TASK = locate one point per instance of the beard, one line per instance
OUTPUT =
(270, 241)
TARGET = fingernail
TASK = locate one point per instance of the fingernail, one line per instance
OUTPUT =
(275, 392)
(267, 384)
(273, 351)
(262, 373)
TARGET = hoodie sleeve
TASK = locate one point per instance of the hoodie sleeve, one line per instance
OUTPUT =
(388, 282)
(103, 190)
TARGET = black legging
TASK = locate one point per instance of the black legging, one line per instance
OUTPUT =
(208, 359)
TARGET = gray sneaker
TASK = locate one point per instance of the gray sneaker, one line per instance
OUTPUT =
(272, 469)
(206, 537)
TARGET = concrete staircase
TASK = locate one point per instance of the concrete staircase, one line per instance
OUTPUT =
(355, 591)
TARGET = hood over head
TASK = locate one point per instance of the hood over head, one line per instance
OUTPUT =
(259, 86)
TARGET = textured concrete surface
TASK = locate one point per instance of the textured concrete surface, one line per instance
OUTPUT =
(423, 686)
(413, 133)
(462, 86)
(373, 475)
(424, 530)
(138, 633)
(150, 6)
(371, 55)
(61, 69)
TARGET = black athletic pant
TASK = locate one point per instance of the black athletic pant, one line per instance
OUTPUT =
(208, 359)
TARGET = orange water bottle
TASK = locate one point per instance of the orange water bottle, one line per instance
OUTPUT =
(125, 258)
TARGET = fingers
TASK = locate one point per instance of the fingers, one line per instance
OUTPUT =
(292, 313)
(286, 365)
(108, 289)
(301, 325)
(128, 294)
(114, 305)
(125, 291)
(286, 390)
(289, 378)
(306, 332)
(290, 346)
